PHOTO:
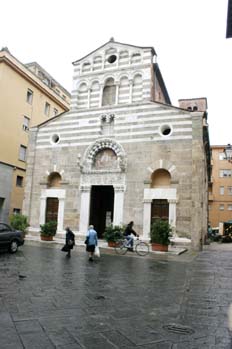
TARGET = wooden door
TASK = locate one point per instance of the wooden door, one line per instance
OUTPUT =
(159, 210)
(52, 209)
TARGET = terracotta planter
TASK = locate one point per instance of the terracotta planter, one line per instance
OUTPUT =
(46, 238)
(112, 244)
(159, 247)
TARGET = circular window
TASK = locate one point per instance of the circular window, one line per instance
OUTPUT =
(165, 130)
(55, 138)
(112, 59)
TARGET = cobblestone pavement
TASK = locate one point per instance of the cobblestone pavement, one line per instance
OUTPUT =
(50, 301)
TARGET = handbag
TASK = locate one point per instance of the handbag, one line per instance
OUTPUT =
(65, 248)
(97, 252)
(70, 242)
(87, 240)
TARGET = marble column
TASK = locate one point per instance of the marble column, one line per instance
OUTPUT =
(84, 209)
(118, 204)
(146, 218)
(42, 210)
(172, 214)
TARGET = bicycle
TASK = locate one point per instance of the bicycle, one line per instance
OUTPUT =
(140, 247)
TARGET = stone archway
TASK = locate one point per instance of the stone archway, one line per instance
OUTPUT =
(103, 165)
(160, 178)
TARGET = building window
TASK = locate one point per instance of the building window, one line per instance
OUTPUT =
(229, 207)
(19, 181)
(222, 156)
(225, 173)
(16, 210)
(55, 111)
(109, 92)
(47, 109)
(229, 190)
(22, 153)
(221, 207)
(221, 190)
(26, 122)
(29, 96)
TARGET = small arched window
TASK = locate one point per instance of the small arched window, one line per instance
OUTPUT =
(124, 90)
(123, 58)
(82, 96)
(86, 67)
(137, 93)
(97, 63)
(54, 180)
(94, 94)
(136, 58)
(109, 92)
(160, 178)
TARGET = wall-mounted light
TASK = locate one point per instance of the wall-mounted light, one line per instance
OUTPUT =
(228, 152)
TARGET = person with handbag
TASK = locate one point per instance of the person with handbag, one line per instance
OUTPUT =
(91, 242)
(69, 242)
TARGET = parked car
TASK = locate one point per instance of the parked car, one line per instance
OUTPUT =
(10, 238)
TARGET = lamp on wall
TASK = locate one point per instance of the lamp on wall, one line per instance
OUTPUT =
(228, 152)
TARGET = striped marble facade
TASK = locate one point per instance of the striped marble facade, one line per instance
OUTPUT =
(120, 113)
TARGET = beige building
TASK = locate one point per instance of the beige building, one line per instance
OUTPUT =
(220, 187)
(29, 95)
(122, 153)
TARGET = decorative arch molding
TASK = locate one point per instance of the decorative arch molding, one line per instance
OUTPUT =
(124, 75)
(109, 77)
(137, 73)
(91, 152)
(166, 165)
(82, 82)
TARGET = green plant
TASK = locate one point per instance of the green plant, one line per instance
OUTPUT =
(160, 232)
(19, 222)
(49, 228)
(113, 233)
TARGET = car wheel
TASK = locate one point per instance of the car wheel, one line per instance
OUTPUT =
(13, 246)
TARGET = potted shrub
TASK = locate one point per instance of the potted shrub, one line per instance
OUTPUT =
(48, 230)
(160, 234)
(112, 234)
(19, 222)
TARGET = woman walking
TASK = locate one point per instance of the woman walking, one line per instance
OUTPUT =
(91, 242)
(69, 241)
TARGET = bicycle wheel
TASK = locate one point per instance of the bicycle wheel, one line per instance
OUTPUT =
(142, 248)
(120, 247)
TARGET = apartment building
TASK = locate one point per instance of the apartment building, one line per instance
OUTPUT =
(29, 96)
(220, 187)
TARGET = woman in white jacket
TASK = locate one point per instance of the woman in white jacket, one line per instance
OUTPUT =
(91, 241)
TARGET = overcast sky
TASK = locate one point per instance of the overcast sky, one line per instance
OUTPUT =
(194, 56)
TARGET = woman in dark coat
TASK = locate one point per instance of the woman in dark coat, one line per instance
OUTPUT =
(69, 241)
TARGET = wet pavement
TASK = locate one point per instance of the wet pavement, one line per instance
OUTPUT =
(155, 302)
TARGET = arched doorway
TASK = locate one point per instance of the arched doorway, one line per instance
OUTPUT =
(101, 207)
(160, 207)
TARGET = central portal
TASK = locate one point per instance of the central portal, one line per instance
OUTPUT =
(101, 207)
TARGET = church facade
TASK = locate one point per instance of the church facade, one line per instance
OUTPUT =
(122, 153)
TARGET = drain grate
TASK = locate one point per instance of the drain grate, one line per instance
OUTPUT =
(178, 329)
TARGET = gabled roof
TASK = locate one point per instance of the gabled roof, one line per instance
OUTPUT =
(117, 43)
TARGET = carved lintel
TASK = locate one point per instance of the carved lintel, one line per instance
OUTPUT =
(172, 201)
(147, 201)
(85, 188)
(118, 188)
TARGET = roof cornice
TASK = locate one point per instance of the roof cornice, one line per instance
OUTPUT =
(111, 42)
(7, 58)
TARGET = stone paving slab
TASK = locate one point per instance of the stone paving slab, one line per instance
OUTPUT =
(158, 302)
